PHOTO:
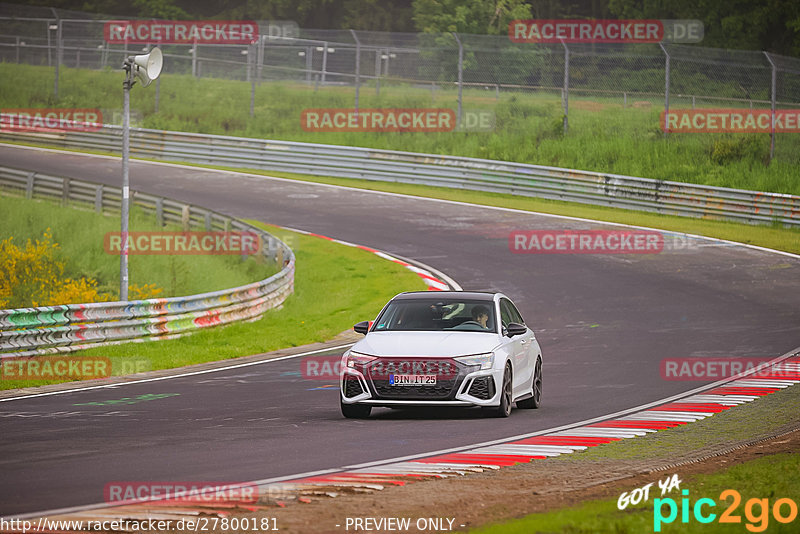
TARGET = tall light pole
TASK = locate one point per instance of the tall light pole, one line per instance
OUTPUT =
(145, 68)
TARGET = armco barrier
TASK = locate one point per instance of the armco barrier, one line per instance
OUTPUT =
(29, 331)
(444, 171)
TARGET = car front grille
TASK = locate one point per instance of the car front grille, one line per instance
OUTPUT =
(482, 388)
(447, 382)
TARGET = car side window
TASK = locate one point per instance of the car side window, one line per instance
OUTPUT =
(505, 312)
(515, 313)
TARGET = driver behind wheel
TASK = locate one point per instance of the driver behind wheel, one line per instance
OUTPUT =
(480, 314)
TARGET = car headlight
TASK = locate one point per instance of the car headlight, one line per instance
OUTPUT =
(484, 360)
(354, 358)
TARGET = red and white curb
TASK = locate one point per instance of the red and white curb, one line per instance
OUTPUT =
(679, 410)
(685, 410)
(435, 280)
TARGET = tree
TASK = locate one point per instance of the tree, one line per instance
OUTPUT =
(468, 16)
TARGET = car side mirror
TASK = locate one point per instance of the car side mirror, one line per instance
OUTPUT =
(362, 327)
(515, 329)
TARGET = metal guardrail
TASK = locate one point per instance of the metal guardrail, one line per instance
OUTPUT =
(675, 198)
(30, 331)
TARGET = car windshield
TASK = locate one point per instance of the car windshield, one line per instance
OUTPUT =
(437, 314)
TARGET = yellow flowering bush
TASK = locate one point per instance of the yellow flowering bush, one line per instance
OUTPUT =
(33, 276)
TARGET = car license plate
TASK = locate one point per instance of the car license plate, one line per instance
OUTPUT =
(412, 380)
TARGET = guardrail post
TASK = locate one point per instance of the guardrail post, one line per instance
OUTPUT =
(185, 217)
(29, 185)
(65, 192)
(160, 211)
(98, 198)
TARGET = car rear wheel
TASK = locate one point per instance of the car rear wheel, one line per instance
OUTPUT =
(535, 400)
(355, 411)
(504, 410)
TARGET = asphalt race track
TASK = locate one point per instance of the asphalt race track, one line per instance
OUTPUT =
(605, 322)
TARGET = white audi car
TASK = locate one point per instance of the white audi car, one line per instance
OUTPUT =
(444, 348)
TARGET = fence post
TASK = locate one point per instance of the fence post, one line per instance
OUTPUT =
(158, 92)
(58, 56)
(251, 72)
(565, 91)
(377, 72)
(324, 60)
(666, 89)
(772, 103)
(309, 63)
(194, 59)
(17, 50)
(358, 66)
(460, 78)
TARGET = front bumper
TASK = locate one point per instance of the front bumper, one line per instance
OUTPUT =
(469, 386)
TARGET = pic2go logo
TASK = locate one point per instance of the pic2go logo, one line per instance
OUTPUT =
(756, 511)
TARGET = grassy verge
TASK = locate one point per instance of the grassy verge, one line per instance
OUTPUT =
(772, 477)
(335, 287)
(80, 234)
(603, 136)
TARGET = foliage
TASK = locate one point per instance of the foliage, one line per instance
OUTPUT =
(33, 276)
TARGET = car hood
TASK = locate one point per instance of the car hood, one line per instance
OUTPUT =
(435, 344)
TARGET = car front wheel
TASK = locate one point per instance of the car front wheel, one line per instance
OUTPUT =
(504, 409)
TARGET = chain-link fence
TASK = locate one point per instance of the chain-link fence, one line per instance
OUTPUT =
(464, 72)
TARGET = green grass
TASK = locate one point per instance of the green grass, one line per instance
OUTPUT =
(772, 478)
(80, 233)
(335, 287)
(602, 136)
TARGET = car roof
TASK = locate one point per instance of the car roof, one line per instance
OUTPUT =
(467, 295)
